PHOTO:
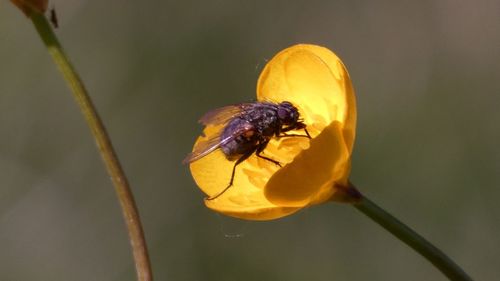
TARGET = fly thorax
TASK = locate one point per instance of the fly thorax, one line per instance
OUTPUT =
(268, 125)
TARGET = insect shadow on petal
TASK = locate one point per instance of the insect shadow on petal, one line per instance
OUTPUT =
(247, 128)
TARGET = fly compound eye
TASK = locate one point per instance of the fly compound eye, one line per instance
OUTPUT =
(283, 113)
(287, 113)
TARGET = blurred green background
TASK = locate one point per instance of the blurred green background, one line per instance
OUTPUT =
(426, 74)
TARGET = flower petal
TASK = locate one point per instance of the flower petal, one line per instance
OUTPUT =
(245, 198)
(314, 79)
(252, 207)
(312, 174)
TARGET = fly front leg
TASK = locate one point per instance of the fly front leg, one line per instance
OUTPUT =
(302, 126)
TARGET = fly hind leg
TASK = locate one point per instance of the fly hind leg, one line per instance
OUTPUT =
(241, 159)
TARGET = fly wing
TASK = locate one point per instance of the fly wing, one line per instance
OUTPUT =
(217, 117)
(203, 148)
(222, 115)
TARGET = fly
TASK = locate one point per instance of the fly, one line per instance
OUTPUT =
(247, 129)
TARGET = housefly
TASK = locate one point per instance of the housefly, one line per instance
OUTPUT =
(247, 128)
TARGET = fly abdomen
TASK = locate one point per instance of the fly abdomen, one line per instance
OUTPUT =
(243, 138)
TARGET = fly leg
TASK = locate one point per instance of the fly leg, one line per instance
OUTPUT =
(307, 133)
(241, 159)
(284, 130)
(261, 148)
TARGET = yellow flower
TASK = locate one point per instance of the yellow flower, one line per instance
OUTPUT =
(314, 170)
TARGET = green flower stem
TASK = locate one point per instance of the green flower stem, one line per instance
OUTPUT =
(410, 237)
(104, 145)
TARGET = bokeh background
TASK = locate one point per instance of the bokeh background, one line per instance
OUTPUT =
(426, 74)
